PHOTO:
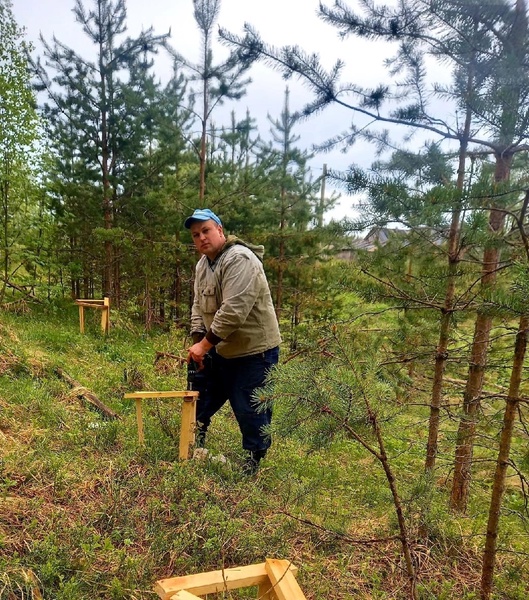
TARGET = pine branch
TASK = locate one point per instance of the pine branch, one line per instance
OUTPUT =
(338, 534)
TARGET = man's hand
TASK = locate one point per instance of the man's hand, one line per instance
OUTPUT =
(198, 351)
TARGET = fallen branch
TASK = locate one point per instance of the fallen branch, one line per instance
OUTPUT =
(463, 382)
(85, 394)
(338, 534)
(501, 393)
(21, 290)
(160, 355)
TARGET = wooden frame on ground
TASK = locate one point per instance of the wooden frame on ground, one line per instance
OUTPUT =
(102, 305)
(189, 411)
(275, 580)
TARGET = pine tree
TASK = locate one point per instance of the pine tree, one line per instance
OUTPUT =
(238, 142)
(510, 128)
(291, 196)
(218, 81)
(86, 99)
(154, 193)
(498, 489)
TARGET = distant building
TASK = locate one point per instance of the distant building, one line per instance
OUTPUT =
(377, 237)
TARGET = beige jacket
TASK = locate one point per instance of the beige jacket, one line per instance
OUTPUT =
(232, 299)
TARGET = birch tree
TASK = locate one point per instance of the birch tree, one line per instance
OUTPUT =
(18, 138)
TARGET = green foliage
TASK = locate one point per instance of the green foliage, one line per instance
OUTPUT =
(18, 120)
(97, 190)
(19, 206)
(113, 210)
(88, 512)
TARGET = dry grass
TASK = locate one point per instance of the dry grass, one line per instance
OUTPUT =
(9, 361)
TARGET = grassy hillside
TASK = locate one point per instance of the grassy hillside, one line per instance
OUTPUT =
(87, 513)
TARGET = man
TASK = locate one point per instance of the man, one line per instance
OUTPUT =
(235, 332)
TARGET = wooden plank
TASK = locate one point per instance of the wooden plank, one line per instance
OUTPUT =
(104, 320)
(105, 315)
(81, 318)
(90, 301)
(266, 591)
(215, 581)
(139, 420)
(164, 394)
(187, 428)
(96, 306)
(285, 585)
(183, 595)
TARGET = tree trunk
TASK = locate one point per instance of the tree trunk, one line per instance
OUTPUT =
(107, 216)
(321, 207)
(148, 305)
(177, 283)
(161, 305)
(116, 296)
(177, 292)
(441, 355)
(283, 216)
(205, 110)
(478, 356)
(502, 463)
(382, 457)
(105, 168)
(5, 233)
(280, 265)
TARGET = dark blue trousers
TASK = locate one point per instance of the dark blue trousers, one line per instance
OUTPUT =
(236, 380)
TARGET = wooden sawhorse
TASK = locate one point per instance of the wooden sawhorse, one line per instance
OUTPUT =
(102, 305)
(189, 411)
(276, 580)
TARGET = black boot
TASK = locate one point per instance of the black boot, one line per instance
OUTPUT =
(251, 464)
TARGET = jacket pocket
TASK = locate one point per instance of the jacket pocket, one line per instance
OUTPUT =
(208, 299)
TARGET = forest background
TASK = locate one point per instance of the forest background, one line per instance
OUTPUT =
(403, 365)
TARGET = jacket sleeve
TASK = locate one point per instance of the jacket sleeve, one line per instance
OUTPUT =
(197, 322)
(241, 283)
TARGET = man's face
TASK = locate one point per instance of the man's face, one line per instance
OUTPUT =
(208, 237)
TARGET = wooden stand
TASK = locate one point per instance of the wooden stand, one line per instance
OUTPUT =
(275, 579)
(102, 305)
(189, 410)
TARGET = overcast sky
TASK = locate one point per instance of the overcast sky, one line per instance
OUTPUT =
(279, 22)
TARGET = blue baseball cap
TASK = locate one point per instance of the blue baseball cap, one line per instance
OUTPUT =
(201, 214)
